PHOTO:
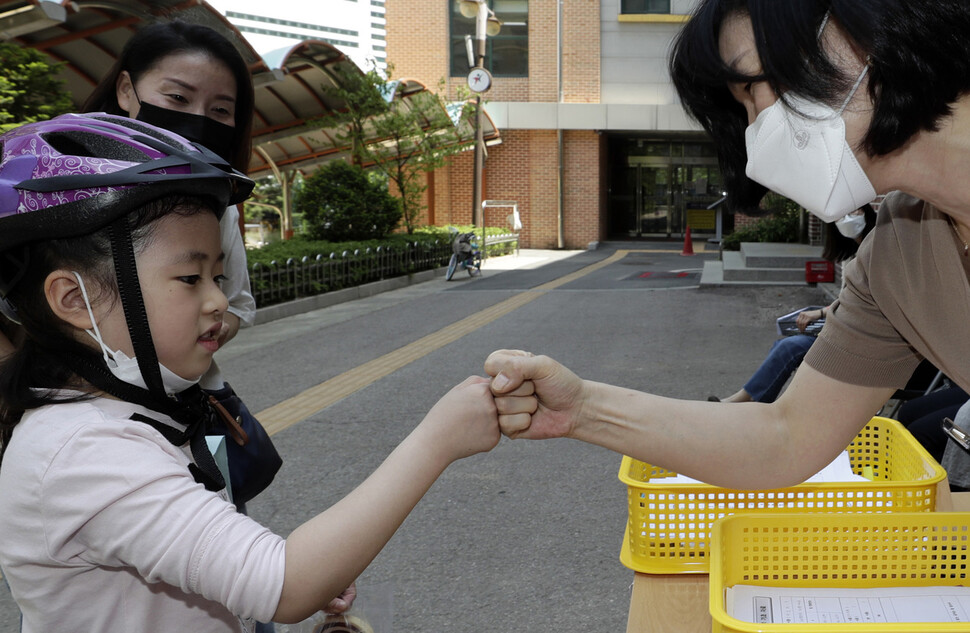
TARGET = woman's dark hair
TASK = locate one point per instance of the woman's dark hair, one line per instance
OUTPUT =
(150, 44)
(918, 55)
(839, 247)
(38, 367)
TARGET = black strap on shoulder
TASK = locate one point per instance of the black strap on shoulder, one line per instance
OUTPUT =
(191, 409)
(204, 470)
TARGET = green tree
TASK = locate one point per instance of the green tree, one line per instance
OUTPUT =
(340, 203)
(363, 99)
(29, 88)
(402, 138)
(780, 224)
(267, 195)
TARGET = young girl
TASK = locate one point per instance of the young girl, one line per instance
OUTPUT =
(113, 516)
(188, 79)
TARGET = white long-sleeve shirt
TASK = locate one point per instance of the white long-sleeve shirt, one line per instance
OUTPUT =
(235, 287)
(103, 528)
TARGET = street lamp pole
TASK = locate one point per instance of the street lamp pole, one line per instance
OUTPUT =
(481, 19)
(479, 80)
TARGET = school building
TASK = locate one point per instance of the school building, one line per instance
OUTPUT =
(594, 143)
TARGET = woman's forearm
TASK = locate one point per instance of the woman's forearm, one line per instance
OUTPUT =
(714, 442)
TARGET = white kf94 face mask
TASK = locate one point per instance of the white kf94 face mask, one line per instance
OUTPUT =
(801, 153)
(851, 226)
(124, 367)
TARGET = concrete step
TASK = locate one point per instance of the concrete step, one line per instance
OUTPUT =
(772, 255)
(739, 268)
(713, 275)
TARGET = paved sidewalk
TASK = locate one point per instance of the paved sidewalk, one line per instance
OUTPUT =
(528, 258)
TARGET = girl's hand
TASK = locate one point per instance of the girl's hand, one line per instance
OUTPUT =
(465, 419)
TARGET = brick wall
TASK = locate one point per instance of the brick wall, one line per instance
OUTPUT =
(581, 51)
(543, 73)
(525, 166)
(742, 221)
(816, 233)
(417, 39)
(525, 169)
(584, 188)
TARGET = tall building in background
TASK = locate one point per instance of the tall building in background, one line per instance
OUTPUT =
(356, 27)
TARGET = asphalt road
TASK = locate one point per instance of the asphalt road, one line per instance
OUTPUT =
(527, 537)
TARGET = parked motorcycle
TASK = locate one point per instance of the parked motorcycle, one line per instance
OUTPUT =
(465, 256)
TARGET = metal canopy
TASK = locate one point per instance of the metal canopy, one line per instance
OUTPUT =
(290, 84)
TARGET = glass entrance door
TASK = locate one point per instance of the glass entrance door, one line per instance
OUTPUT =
(659, 188)
(699, 189)
(656, 200)
(642, 201)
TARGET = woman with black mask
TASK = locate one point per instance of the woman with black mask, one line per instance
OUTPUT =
(189, 79)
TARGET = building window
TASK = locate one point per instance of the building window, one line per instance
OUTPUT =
(506, 54)
(644, 6)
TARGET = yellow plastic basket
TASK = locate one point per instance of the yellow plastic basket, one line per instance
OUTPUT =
(898, 549)
(668, 528)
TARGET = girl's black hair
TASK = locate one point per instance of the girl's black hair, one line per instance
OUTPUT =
(151, 44)
(918, 55)
(30, 376)
(838, 247)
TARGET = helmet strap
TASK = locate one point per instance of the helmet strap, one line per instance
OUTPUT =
(133, 303)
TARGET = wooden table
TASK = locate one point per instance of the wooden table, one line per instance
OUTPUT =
(679, 603)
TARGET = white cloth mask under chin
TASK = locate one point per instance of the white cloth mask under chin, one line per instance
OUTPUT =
(800, 151)
(124, 367)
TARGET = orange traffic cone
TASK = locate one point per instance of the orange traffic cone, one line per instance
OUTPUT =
(688, 244)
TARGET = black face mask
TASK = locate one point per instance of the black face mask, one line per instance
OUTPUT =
(218, 137)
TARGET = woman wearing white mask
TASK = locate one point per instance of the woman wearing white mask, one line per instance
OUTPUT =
(842, 239)
(850, 98)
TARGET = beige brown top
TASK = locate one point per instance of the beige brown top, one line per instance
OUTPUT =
(906, 297)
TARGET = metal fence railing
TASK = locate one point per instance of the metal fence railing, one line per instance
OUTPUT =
(277, 282)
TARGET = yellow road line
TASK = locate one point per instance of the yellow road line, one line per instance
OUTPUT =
(582, 272)
(301, 406)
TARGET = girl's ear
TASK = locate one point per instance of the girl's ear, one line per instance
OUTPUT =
(124, 91)
(66, 300)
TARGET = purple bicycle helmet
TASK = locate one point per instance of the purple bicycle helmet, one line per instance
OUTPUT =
(76, 173)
